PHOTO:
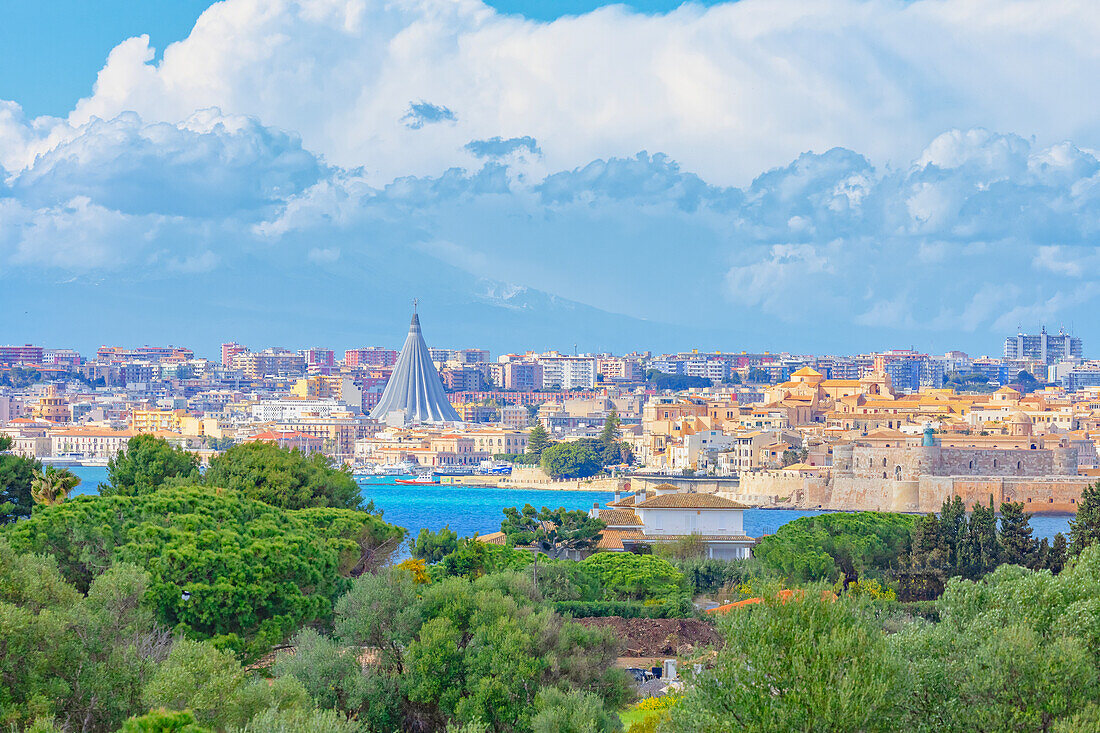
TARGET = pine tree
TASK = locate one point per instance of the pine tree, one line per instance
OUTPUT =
(1084, 529)
(1042, 555)
(1017, 544)
(610, 448)
(610, 432)
(1056, 560)
(538, 440)
(979, 553)
(953, 531)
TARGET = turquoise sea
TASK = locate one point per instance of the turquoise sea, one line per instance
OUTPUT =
(470, 509)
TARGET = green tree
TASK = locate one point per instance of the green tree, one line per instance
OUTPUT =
(609, 435)
(147, 464)
(830, 546)
(624, 576)
(1056, 558)
(538, 440)
(434, 546)
(1084, 528)
(572, 711)
(197, 677)
(454, 653)
(574, 459)
(807, 664)
(553, 531)
(163, 721)
(953, 532)
(301, 721)
(1015, 650)
(79, 659)
(1018, 547)
(52, 486)
(252, 572)
(16, 475)
(288, 479)
(979, 552)
(473, 559)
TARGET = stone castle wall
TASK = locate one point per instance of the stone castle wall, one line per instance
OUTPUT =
(912, 462)
(1038, 494)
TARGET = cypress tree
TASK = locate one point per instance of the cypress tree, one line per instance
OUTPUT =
(1017, 544)
(953, 530)
(979, 554)
(537, 440)
(1056, 560)
(1084, 529)
(1042, 555)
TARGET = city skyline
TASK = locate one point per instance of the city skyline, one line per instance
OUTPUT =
(889, 173)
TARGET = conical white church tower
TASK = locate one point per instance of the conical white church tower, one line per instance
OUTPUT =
(414, 392)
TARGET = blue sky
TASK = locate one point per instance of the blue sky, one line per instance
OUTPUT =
(835, 176)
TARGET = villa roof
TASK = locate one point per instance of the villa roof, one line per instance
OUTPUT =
(690, 501)
(612, 539)
(806, 372)
(619, 517)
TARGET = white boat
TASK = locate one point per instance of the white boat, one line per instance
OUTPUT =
(396, 469)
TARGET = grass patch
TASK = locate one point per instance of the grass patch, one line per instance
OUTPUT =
(630, 716)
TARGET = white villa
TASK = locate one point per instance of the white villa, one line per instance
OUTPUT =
(666, 515)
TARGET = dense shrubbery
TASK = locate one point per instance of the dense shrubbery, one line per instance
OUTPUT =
(829, 546)
(97, 635)
(147, 464)
(253, 572)
(710, 575)
(16, 475)
(282, 478)
(263, 471)
(71, 656)
(457, 651)
(624, 576)
(1018, 650)
(471, 559)
(672, 608)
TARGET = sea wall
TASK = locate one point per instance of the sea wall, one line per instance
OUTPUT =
(1038, 494)
(695, 484)
(533, 477)
(1046, 494)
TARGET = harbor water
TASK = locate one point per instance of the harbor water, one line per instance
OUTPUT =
(470, 509)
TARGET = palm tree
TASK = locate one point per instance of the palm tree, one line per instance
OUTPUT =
(52, 486)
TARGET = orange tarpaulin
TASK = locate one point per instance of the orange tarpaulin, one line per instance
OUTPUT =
(783, 595)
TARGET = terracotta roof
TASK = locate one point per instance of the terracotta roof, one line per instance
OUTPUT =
(493, 538)
(806, 372)
(629, 499)
(612, 539)
(690, 501)
(618, 517)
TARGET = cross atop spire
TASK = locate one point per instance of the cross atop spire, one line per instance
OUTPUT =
(416, 302)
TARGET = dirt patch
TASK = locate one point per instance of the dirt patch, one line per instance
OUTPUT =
(644, 637)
